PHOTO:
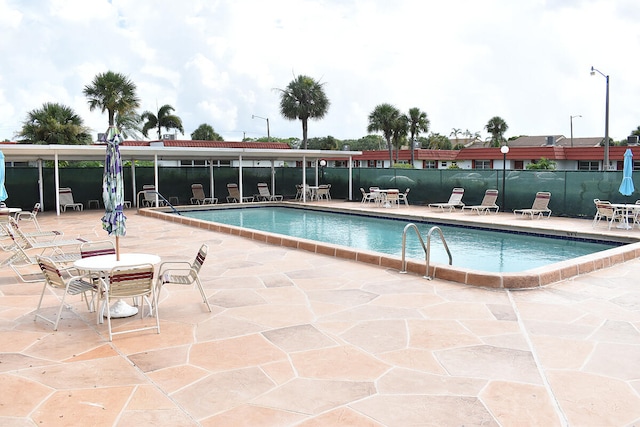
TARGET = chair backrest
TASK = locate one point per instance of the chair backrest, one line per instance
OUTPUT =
(406, 192)
(490, 197)
(542, 200)
(131, 281)
(36, 209)
(51, 273)
(456, 196)
(263, 189)
(372, 189)
(65, 196)
(393, 195)
(364, 193)
(605, 208)
(233, 190)
(200, 257)
(149, 192)
(96, 248)
(197, 191)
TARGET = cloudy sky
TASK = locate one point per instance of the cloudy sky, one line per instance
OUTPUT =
(221, 61)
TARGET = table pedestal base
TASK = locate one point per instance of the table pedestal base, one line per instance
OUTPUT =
(122, 309)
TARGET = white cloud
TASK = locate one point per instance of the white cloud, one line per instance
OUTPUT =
(461, 61)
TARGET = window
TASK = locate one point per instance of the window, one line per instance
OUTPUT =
(429, 164)
(482, 164)
(371, 163)
(589, 165)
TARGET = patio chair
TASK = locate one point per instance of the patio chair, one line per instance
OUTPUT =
(392, 198)
(487, 205)
(72, 286)
(65, 196)
(403, 196)
(150, 197)
(234, 194)
(455, 201)
(184, 273)
(199, 197)
(606, 211)
(265, 195)
(30, 216)
(131, 281)
(367, 197)
(323, 192)
(540, 206)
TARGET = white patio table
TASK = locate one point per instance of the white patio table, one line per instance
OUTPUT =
(104, 263)
(626, 209)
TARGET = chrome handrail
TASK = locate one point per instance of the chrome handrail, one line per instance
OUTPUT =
(426, 248)
(160, 196)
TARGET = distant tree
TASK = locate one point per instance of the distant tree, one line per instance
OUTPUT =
(400, 131)
(129, 124)
(369, 142)
(54, 124)
(164, 119)
(112, 92)
(438, 142)
(636, 131)
(497, 127)
(325, 143)
(383, 119)
(455, 132)
(418, 122)
(205, 132)
(543, 163)
(303, 99)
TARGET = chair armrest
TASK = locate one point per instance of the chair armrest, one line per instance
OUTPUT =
(173, 265)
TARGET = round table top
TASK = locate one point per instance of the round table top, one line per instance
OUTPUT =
(107, 262)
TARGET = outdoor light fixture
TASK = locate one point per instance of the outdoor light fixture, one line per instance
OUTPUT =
(323, 163)
(571, 119)
(504, 150)
(606, 119)
(263, 118)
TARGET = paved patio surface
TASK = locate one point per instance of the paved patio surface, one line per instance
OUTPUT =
(301, 339)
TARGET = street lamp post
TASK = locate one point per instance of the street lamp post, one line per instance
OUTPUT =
(571, 119)
(263, 118)
(606, 118)
(504, 150)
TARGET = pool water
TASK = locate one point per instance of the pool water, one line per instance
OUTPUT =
(474, 248)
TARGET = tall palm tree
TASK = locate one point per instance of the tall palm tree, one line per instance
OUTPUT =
(383, 119)
(418, 122)
(164, 119)
(112, 92)
(303, 99)
(129, 124)
(497, 128)
(400, 131)
(54, 124)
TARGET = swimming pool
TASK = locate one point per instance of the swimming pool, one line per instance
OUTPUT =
(471, 247)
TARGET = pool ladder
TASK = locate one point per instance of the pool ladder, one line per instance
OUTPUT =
(160, 196)
(426, 248)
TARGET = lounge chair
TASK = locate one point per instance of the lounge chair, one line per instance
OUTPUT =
(487, 205)
(65, 196)
(539, 208)
(265, 195)
(150, 196)
(455, 201)
(199, 197)
(234, 194)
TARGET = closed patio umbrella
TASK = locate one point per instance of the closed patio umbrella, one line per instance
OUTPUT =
(626, 187)
(114, 219)
(3, 190)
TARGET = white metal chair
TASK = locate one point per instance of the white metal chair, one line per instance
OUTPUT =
(72, 286)
(604, 210)
(65, 196)
(367, 197)
(403, 197)
(265, 195)
(184, 273)
(30, 216)
(132, 281)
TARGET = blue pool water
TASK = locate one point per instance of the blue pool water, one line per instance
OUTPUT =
(474, 248)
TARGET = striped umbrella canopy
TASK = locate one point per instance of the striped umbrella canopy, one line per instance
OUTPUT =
(114, 219)
(3, 190)
(626, 186)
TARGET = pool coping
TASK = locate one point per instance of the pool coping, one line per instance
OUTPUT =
(533, 278)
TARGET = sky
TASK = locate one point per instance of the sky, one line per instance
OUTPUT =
(221, 62)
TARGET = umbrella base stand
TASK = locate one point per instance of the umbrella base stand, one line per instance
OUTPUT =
(122, 309)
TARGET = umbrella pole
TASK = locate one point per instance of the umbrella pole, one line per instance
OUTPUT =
(117, 248)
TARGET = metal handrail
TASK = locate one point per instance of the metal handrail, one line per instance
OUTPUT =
(426, 249)
(160, 196)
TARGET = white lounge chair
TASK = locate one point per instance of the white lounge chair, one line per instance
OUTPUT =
(65, 196)
(455, 201)
(234, 194)
(487, 205)
(540, 207)
(265, 195)
(199, 197)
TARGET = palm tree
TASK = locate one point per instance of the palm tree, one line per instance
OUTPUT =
(383, 119)
(496, 127)
(303, 99)
(164, 119)
(129, 124)
(400, 131)
(455, 132)
(418, 122)
(54, 124)
(205, 132)
(112, 92)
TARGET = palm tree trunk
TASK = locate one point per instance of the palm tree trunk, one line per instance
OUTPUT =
(304, 133)
(390, 152)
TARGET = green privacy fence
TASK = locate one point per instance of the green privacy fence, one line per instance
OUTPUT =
(572, 191)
